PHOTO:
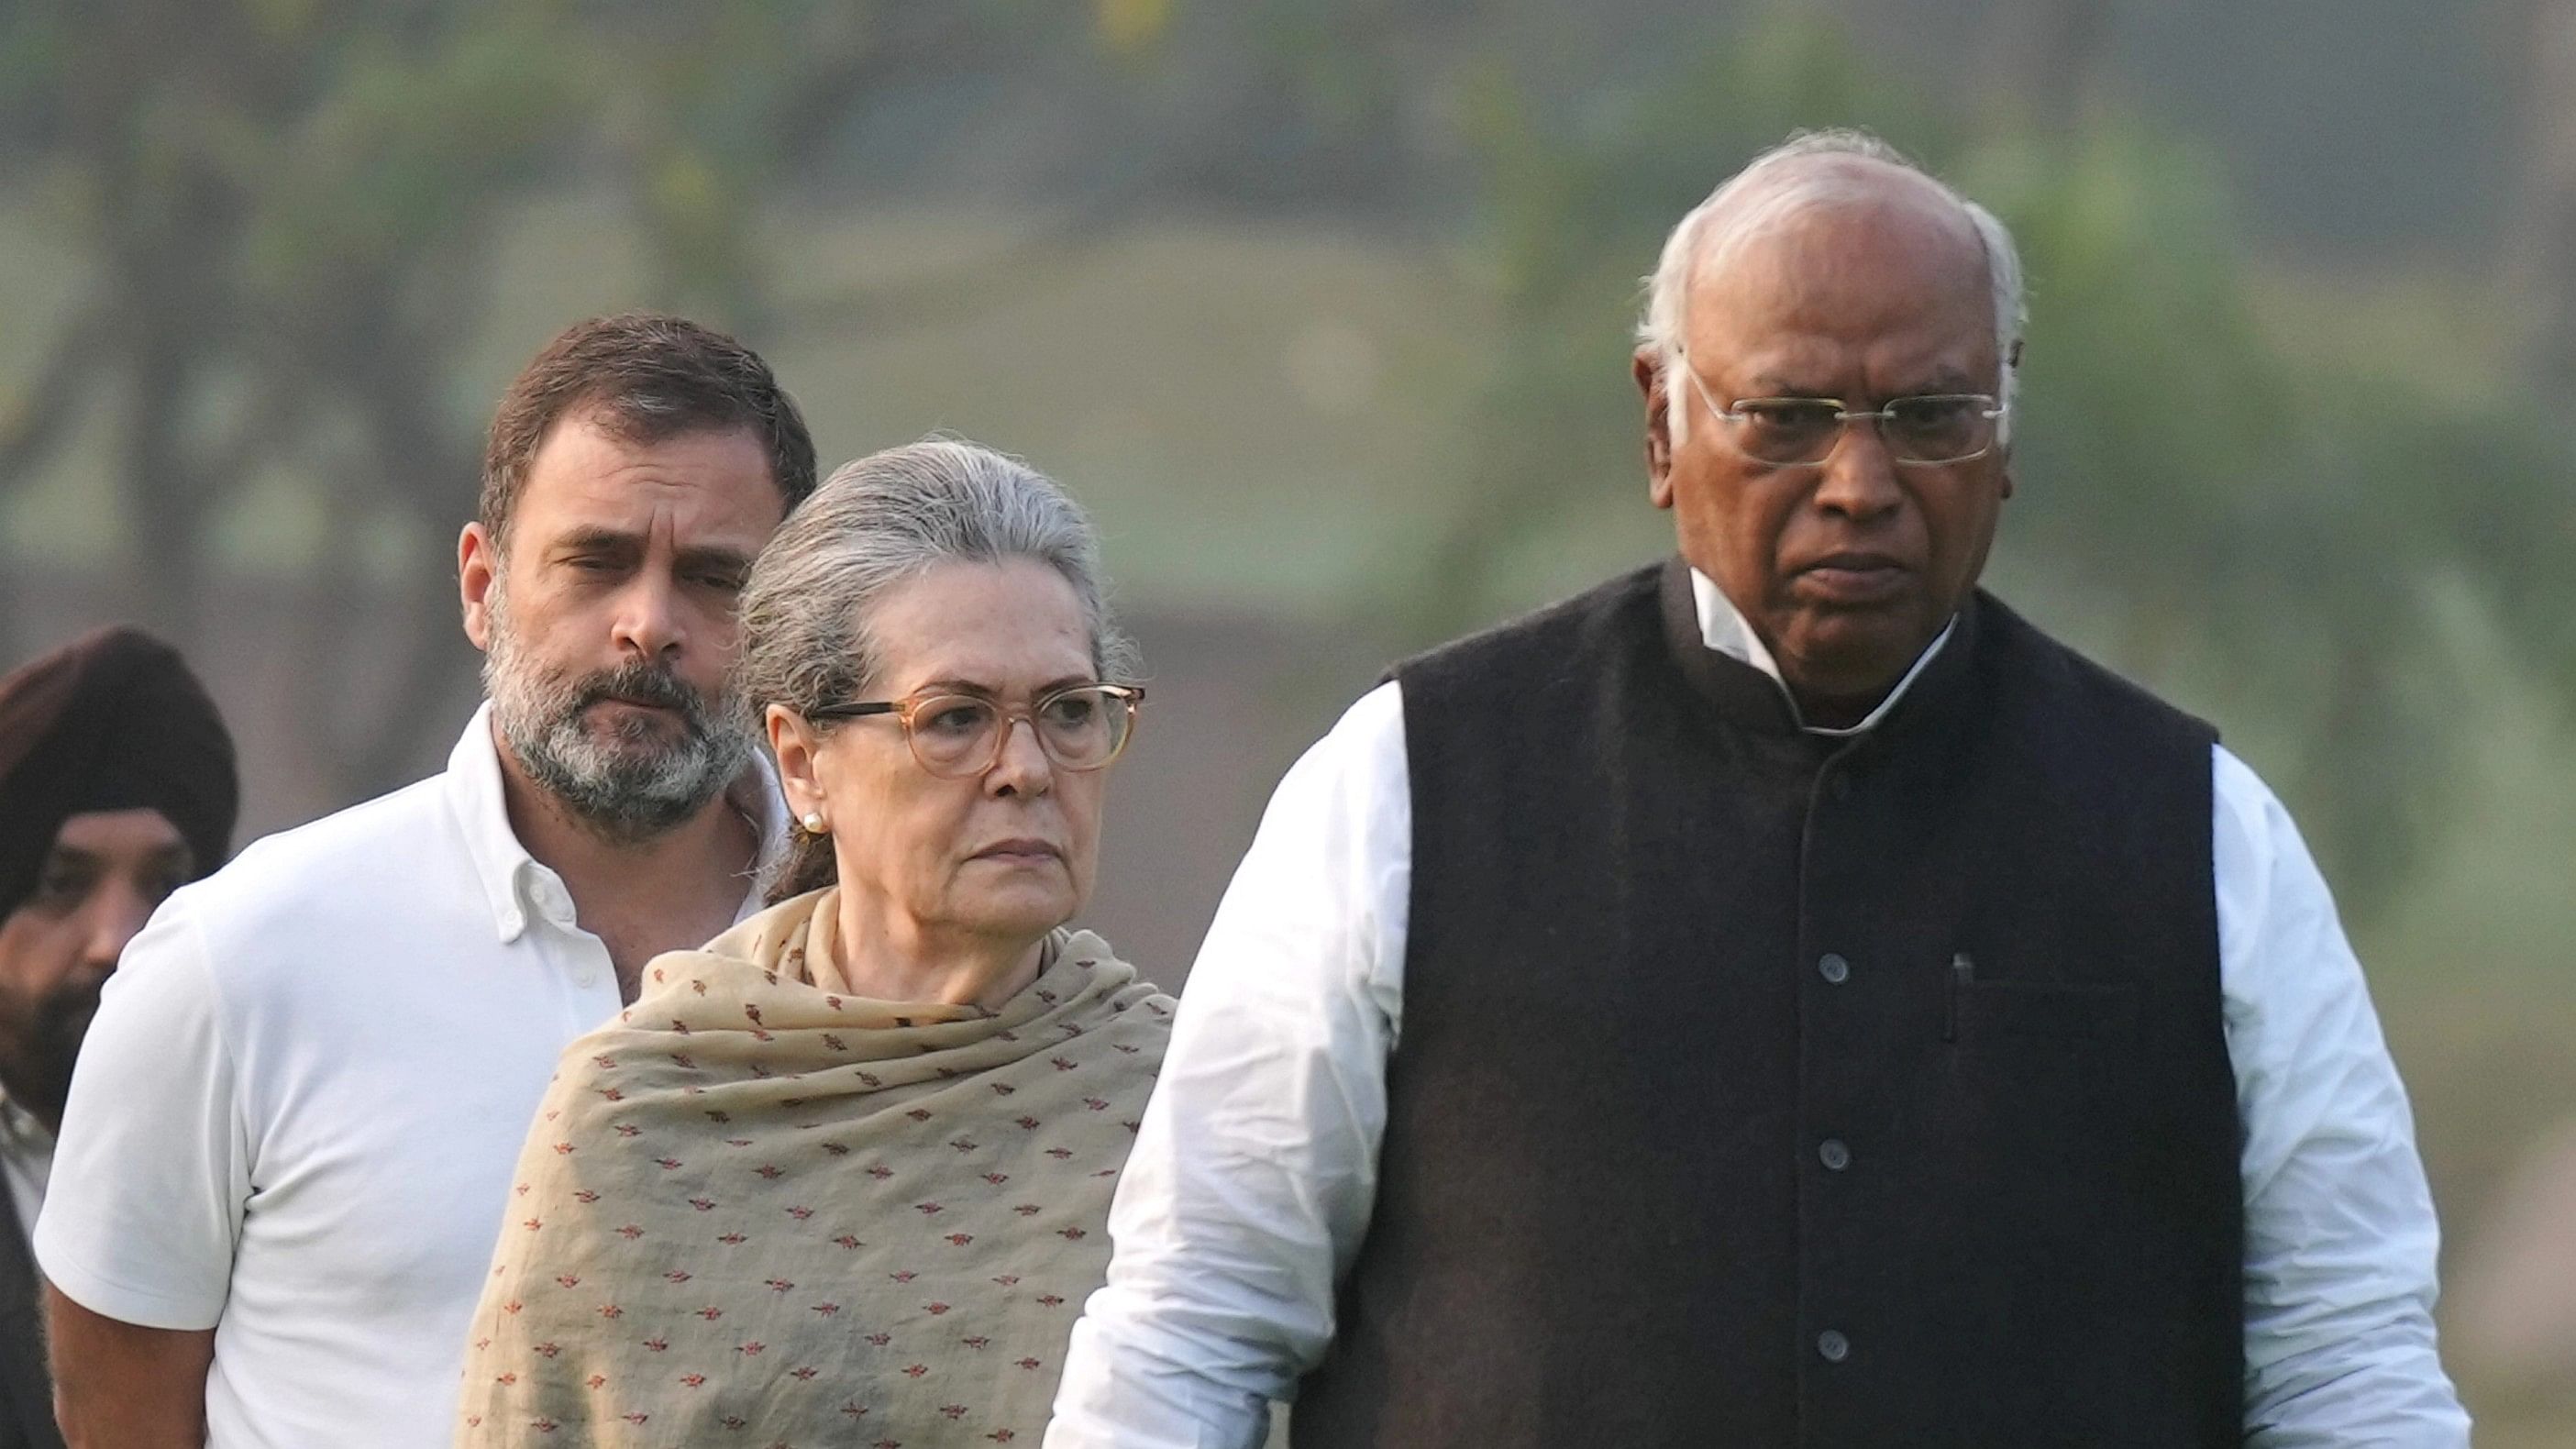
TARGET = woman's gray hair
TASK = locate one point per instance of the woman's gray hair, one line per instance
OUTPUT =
(872, 526)
(1666, 315)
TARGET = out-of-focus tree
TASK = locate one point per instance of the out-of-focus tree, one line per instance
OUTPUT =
(2050, 55)
(289, 210)
(2275, 532)
(1572, 213)
(2541, 240)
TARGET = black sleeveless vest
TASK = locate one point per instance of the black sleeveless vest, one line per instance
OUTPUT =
(1760, 1089)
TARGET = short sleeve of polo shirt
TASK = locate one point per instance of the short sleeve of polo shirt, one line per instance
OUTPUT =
(152, 1173)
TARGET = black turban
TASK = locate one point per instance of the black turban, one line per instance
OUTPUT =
(111, 721)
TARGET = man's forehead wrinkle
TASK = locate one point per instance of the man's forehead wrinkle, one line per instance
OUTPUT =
(594, 475)
(599, 535)
(630, 511)
(1789, 232)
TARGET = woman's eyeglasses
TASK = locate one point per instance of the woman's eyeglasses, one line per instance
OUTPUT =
(1080, 727)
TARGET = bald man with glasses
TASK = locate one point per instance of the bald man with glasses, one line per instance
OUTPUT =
(1780, 997)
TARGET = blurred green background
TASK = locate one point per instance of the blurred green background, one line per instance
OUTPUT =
(1323, 307)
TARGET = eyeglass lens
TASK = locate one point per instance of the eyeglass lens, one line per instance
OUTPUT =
(1080, 729)
(1930, 429)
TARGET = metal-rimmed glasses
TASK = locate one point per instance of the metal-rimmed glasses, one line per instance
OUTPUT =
(1800, 432)
(1081, 727)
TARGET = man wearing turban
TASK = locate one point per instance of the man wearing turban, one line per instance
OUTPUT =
(116, 787)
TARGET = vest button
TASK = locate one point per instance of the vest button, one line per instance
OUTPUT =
(1833, 968)
(1832, 1346)
(1833, 1154)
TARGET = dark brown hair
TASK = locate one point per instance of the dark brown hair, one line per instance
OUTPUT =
(646, 377)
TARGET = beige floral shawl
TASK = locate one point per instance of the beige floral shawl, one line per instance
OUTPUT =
(757, 1211)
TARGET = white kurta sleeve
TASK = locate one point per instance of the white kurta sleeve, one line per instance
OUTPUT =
(2340, 1238)
(1255, 1168)
(153, 1169)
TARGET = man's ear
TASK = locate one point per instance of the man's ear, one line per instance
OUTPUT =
(1648, 368)
(478, 568)
(2012, 364)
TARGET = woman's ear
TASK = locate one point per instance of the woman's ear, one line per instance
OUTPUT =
(794, 743)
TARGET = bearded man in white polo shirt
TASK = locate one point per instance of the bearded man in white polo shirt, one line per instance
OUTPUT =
(289, 1139)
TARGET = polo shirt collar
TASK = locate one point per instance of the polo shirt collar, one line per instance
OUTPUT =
(504, 867)
(1723, 628)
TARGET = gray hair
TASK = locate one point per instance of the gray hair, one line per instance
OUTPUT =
(1664, 320)
(878, 523)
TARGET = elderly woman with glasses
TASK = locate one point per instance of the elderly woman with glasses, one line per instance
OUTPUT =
(843, 1175)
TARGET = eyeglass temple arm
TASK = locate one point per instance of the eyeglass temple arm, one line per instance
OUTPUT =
(854, 710)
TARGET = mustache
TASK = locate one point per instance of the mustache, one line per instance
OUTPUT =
(66, 1010)
(61, 1024)
(637, 682)
(50, 1041)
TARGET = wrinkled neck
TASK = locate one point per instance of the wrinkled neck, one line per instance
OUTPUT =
(882, 955)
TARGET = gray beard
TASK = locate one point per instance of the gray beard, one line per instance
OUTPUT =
(629, 784)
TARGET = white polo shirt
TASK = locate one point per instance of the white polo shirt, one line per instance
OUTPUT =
(295, 1118)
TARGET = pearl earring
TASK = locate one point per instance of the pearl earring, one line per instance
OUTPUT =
(813, 822)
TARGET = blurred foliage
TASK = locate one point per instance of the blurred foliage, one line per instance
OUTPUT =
(1132, 26)
(2258, 530)
(291, 223)
(289, 210)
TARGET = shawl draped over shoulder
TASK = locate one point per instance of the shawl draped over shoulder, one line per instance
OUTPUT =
(757, 1209)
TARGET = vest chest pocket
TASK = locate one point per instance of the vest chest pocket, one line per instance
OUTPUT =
(2046, 1089)
(2004, 1012)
